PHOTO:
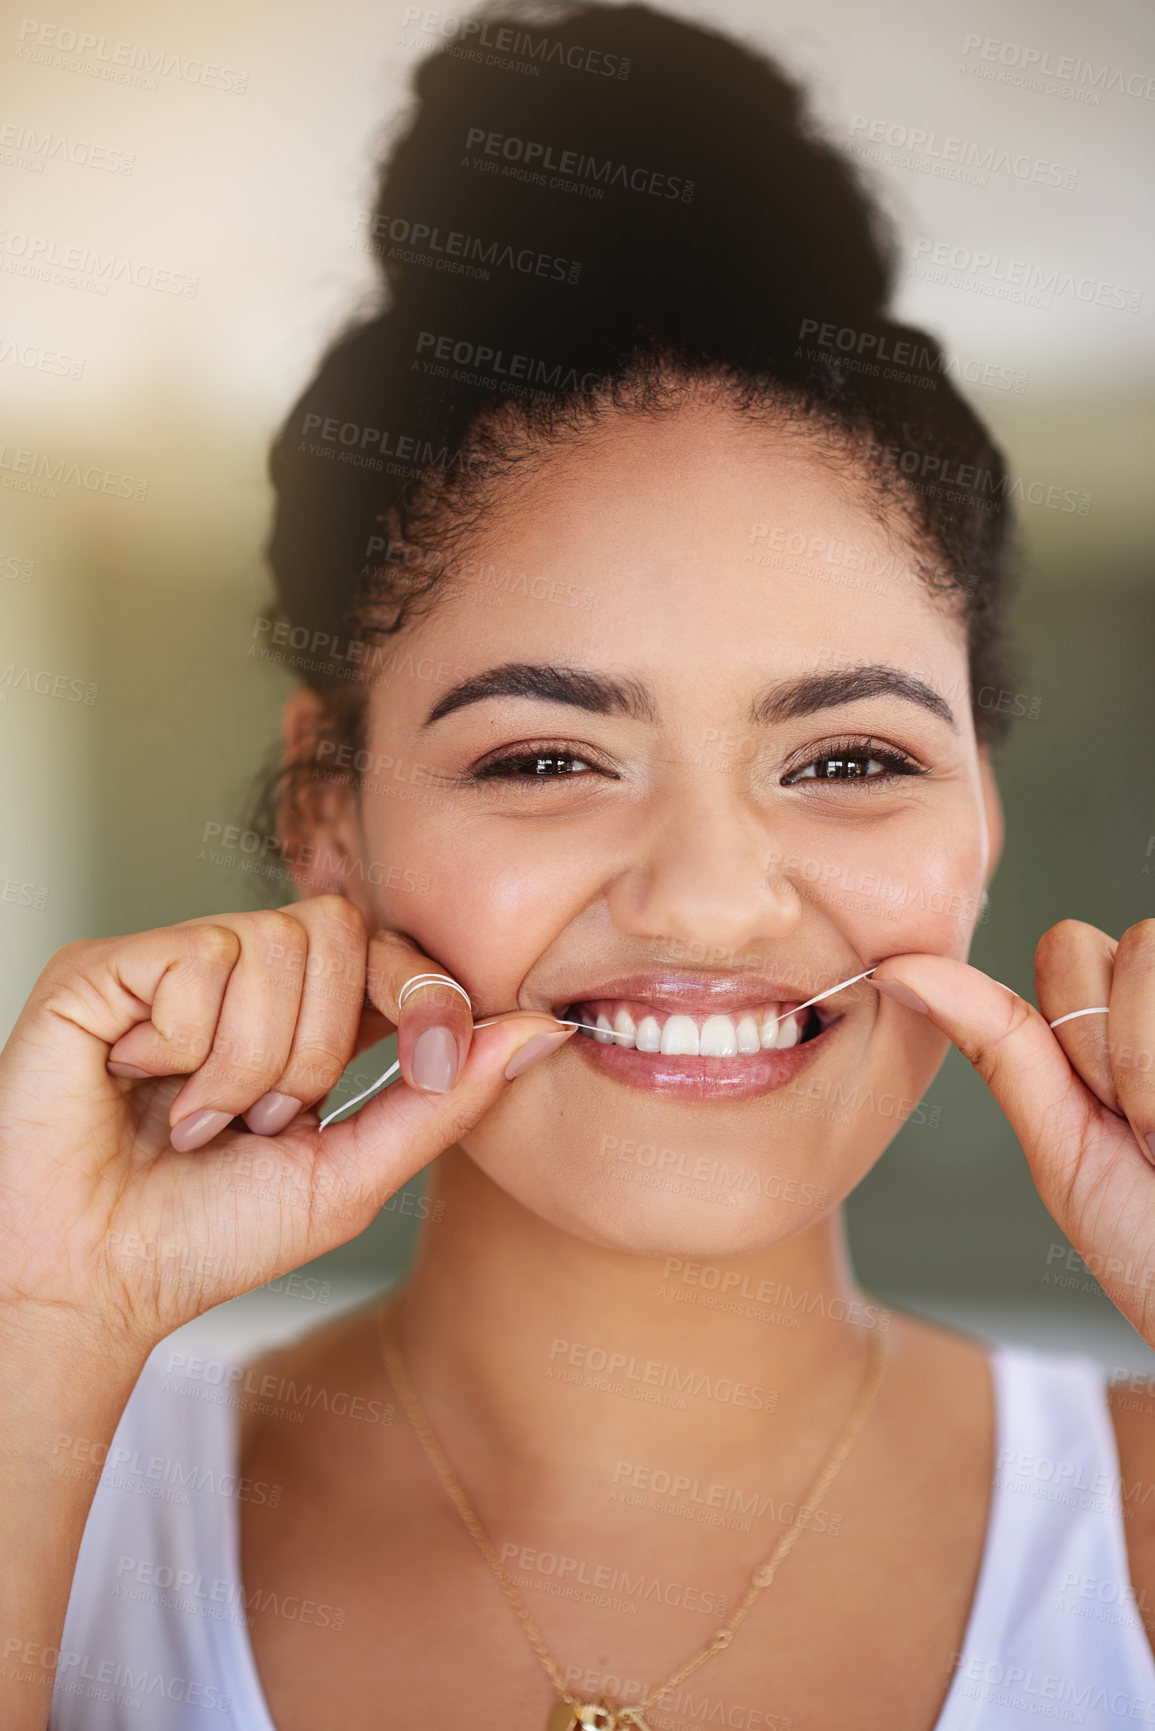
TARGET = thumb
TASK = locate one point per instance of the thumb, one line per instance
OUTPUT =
(1012, 1048)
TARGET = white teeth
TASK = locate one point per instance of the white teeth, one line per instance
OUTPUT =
(718, 1038)
(680, 1037)
(649, 1035)
(748, 1038)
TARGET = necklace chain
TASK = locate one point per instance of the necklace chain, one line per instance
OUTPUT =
(762, 1576)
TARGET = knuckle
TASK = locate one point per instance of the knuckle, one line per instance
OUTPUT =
(985, 1052)
(243, 1064)
(283, 937)
(337, 910)
(317, 1067)
(1138, 942)
(1060, 941)
(211, 946)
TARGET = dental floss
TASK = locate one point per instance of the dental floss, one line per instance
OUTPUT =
(1095, 1010)
(562, 1021)
(419, 980)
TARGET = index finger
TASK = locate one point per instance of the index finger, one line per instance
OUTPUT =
(429, 1008)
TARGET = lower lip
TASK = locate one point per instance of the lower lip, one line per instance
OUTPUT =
(700, 1078)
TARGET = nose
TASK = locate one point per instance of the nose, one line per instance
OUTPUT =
(703, 873)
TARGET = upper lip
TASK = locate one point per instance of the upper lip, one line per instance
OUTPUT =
(693, 993)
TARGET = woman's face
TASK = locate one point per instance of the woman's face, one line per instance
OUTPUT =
(631, 757)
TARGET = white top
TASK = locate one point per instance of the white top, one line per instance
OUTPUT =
(156, 1637)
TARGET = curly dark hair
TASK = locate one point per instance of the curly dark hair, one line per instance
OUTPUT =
(599, 210)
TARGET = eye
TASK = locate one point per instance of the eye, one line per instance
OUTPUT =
(545, 762)
(857, 760)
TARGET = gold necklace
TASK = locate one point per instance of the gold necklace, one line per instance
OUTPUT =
(568, 1713)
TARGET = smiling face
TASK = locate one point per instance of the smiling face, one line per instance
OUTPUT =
(680, 814)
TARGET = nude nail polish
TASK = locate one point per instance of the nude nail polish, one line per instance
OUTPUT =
(539, 1047)
(197, 1129)
(132, 1071)
(434, 1063)
(272, 1112)
(902, 995)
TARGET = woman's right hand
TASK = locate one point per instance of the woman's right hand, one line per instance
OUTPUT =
(130, 1200)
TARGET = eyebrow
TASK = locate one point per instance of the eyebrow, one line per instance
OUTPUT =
(576, 686)
(599, 694)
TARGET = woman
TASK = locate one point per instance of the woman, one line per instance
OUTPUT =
(598, 789)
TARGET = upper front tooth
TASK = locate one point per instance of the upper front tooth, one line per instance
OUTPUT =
(649, 1035)
(788, 1033)
(680, 1037)
(718, 1038)
(625, 1030)
(605, 1030)
(748, 1038)
(770, 1033)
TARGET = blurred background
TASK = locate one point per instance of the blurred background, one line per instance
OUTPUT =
(181, 193)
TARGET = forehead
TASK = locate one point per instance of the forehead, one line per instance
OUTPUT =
(691, 540)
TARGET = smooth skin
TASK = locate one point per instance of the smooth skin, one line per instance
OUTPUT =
(665, 850)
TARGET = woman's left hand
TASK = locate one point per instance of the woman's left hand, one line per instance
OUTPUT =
(1079, 1097)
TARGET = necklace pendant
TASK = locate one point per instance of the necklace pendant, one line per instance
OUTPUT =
(584, 1716)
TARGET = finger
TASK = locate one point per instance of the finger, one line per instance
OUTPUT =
(179, 976)
(329, 1015)
(1074, 963)
(359, 1163)
(254, 1032)
(1051, 1111)
(434, 1023)
(1131, 1024)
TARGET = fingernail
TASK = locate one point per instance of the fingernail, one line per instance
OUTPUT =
(539, 1047)
(1150, 1139)
(272, 1112)
(197, 1129)
(435, 1061)
(115, 1068)
(902, 995)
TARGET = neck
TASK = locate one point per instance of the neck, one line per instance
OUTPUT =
(559, 1357)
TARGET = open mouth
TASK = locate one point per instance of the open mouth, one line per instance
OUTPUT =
(699, 1056)
(634, 1026)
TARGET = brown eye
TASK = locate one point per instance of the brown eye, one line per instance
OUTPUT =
(863, 763)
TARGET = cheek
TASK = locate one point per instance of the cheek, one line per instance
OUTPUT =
(497, 895)
(915, 885)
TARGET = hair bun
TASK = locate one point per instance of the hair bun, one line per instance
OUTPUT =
(611, 179)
